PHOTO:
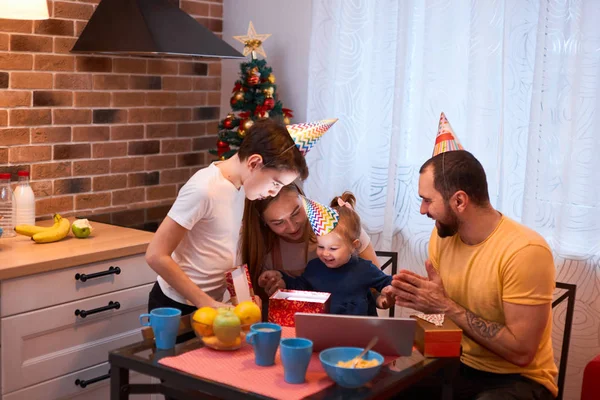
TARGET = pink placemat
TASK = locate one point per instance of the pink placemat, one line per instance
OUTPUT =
(237, 368)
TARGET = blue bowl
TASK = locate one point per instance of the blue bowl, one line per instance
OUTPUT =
(349, 377)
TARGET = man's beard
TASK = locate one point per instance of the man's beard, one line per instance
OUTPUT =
(449, 227)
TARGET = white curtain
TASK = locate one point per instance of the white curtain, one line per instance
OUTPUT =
(520, 84)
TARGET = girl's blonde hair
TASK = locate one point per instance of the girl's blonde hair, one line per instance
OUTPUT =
(348, 226)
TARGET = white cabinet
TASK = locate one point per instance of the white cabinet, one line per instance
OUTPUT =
(66, 387)
(56, 329)
(57, 287)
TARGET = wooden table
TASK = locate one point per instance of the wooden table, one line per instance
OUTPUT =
(21, 256)
(143, 358)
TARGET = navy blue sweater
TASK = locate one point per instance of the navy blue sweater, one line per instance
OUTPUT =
(349, 284)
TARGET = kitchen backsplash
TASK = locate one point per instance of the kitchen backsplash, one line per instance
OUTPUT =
(109, 138)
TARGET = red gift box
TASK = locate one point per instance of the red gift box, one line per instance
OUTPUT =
(239, 285)
(284, 304)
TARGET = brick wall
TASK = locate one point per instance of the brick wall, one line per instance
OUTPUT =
(113, 137)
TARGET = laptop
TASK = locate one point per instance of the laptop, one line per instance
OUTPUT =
(396, 335)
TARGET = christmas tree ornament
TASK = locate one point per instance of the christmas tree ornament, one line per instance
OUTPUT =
(237, 87)
(268, 92)
(287, 115)
(253, 80)
(253, 77)
(239, 96)
(446, 139)
(222, 147)
(228, 121)
(271, 78)
(323, 219)
(241, 133)
(247, 124)
(307, 134)
(269, 103)
(253, 42)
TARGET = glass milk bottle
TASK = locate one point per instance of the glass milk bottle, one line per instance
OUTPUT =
(7, 203)
(25, 201)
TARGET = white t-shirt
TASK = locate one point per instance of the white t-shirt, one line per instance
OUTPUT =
(211, 209)
(293, 254)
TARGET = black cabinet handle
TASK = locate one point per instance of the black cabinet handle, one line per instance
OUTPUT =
(110, 306)
(83, 383)
(85, 277)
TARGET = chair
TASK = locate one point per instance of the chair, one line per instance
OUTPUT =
(393, 262)
(569, 295)
(591, 380)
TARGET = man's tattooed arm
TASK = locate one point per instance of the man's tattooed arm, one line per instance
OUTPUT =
(483, 328)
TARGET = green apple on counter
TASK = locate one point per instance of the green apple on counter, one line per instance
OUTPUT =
(81, 228)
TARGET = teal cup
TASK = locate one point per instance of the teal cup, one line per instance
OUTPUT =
(264, 337)
(295, 357)
(165, 325)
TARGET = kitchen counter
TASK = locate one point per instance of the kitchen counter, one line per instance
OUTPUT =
(21, 256)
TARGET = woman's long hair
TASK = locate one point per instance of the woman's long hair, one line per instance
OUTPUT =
(257, 239)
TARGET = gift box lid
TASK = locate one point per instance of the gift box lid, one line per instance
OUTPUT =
(239, 285)
(300, 295)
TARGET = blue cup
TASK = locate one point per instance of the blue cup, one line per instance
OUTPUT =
(165, 325)
(295, 356)
(264, 337)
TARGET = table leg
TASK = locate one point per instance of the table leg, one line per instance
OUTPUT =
(449, 375)
(119, 379)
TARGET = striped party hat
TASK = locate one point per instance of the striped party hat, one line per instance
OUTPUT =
(307, 134)
(322, 219)
(445, 140)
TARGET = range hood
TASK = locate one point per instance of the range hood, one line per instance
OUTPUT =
(148, 28)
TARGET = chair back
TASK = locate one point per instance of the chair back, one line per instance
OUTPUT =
(569, 295)
(392, 263)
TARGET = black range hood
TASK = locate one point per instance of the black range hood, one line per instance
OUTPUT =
(149, 28)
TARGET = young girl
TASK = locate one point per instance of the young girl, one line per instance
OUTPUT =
(276, 234)
(196, 244)
(337, 270)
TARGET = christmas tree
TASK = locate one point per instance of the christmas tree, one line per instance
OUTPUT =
(254, 97)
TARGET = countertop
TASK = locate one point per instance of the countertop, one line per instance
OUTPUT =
(21, 256)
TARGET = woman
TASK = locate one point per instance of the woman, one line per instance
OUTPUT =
(276, 235)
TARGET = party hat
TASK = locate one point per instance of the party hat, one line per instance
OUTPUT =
(307, 134)
(446, 139)
(323, 219)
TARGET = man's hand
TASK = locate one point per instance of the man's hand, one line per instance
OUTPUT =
(271, 281)
(419, 293)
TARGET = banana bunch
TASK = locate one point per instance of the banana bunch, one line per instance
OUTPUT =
(50, 234)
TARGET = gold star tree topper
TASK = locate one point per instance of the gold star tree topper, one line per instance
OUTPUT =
(253, 42)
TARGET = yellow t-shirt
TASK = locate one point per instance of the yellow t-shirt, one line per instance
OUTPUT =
(514, 264)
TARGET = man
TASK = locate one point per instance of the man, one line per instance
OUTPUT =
(490, 275)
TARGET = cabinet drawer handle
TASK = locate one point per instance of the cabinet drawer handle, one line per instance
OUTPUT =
(85, 277)
(110, 306)
(83, 383)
